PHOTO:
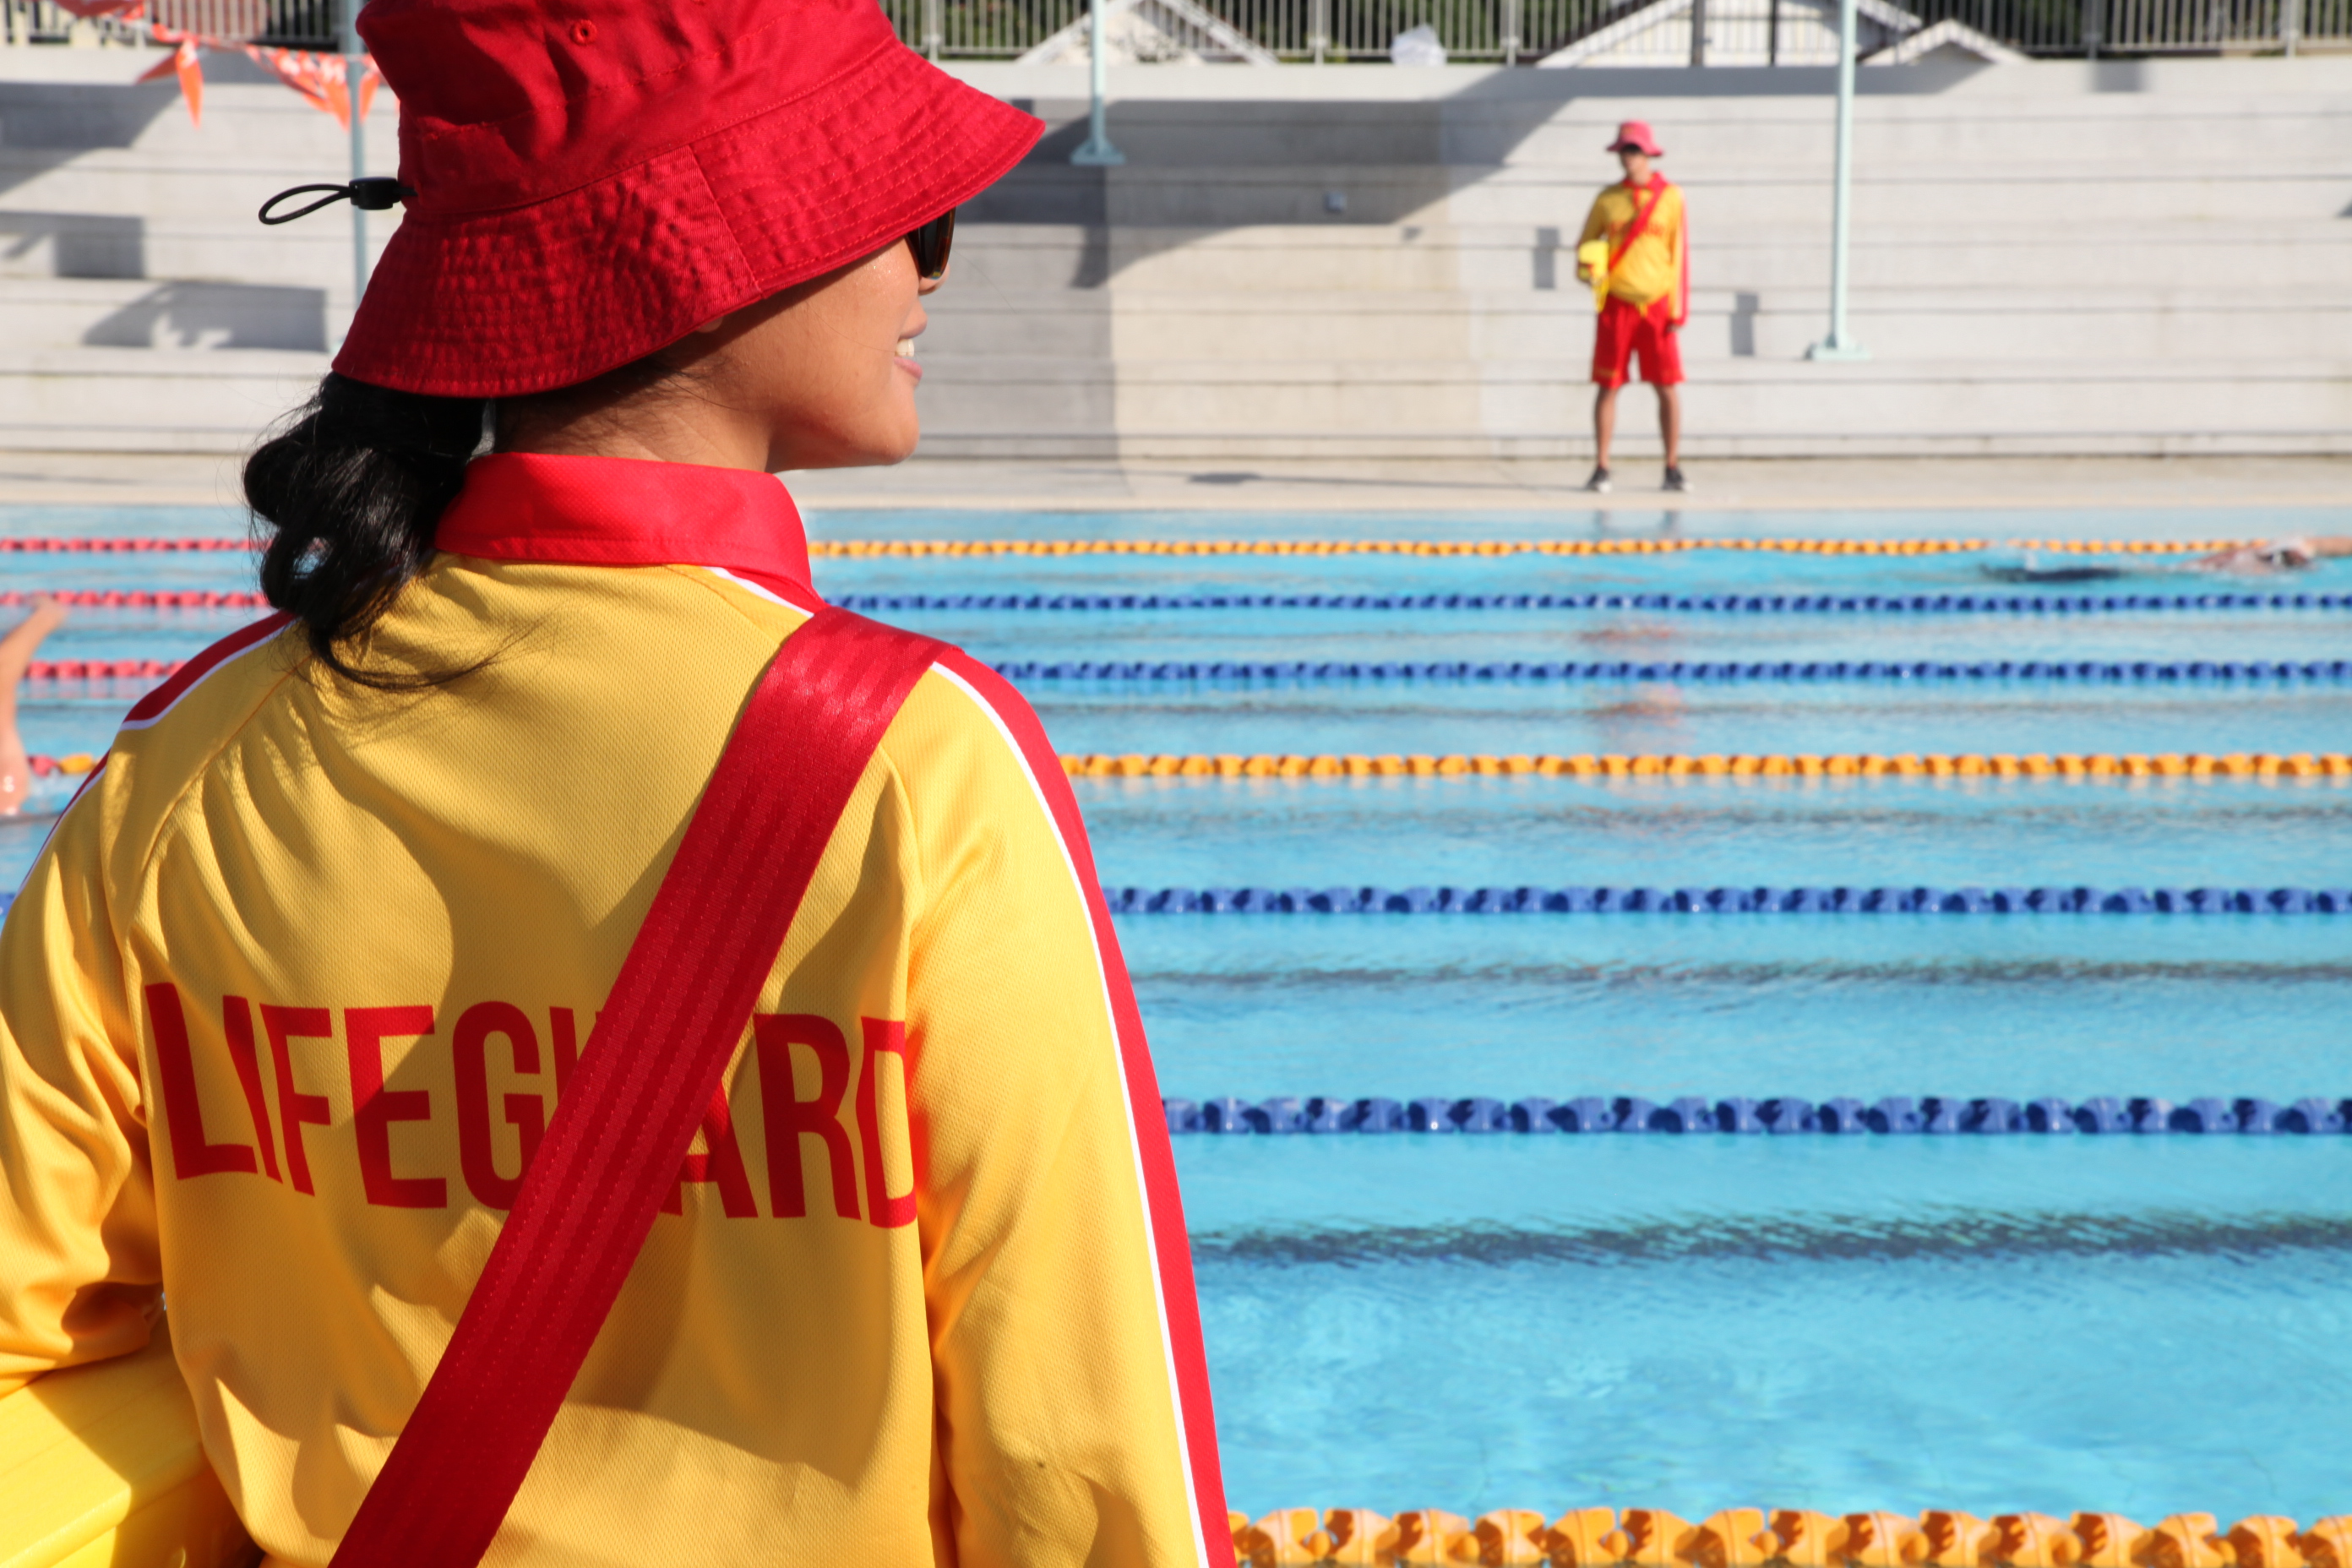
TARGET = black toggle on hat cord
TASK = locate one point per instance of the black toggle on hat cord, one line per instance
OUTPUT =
(374, 194)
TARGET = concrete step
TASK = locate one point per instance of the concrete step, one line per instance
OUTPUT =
(1493, 257)
(1742, 407)
(1154, 197)
(148, 400)
(114, 399)
(61, 313)
(1899, 325)
(186, 187)
(1569, 129)
(1703, 137)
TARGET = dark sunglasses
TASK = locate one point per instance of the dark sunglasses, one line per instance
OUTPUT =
(932, 244)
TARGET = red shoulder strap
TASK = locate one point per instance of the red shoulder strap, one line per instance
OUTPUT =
(1641, 222)
(610, 1156)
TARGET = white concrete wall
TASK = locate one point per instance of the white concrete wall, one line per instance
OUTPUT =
(2131, 257)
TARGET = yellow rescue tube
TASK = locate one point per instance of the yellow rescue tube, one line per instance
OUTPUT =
(99, 1467)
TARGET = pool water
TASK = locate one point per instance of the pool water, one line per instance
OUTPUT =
(2143, 1325)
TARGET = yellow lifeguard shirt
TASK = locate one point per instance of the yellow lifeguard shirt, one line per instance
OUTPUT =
(1657, 264)
(286, 1002)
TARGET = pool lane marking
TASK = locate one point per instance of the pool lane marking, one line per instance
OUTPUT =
(1724, 672)
(912, 548)
(2073, 767)
(861, 549)
(1700, 672)
(1821, 604)
(1725, 604)
(1741, 900)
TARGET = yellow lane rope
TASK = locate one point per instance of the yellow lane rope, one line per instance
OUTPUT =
(1910, 765)
(1753, 1537)
(868, 548)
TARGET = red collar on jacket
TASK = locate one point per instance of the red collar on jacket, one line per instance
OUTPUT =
(613, 511)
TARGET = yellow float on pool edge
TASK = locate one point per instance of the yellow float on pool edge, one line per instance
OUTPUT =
(1788, 1538)
(100, 1467)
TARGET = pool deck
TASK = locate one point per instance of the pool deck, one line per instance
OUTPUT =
(1826, 484)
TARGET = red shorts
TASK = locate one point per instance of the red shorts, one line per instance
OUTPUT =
(1625, 329)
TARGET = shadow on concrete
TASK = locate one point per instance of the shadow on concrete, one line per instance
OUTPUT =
(44, 124)
(72, 245)
(1201, 166)
(217, 316)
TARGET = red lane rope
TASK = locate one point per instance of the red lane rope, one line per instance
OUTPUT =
(102, 668)
(54, 545)
(140, 598)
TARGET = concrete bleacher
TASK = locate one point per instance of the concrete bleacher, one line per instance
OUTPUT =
(2122, 257)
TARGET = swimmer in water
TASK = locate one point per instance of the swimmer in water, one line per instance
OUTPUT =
(2296, 552)
(16, 650)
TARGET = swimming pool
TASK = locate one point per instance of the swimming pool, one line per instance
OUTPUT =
(2146, 1325)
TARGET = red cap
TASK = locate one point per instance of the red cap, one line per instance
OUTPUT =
(595, 179)
(1634, 136)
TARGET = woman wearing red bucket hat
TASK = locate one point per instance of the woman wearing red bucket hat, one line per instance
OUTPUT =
(610, 1059)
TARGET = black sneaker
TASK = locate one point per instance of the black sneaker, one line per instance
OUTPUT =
(1674, 480)
(1599, 483)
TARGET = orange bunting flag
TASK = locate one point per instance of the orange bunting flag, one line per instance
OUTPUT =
(182, 62)
(321, 79)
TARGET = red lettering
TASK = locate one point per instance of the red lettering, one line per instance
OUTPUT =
(722, 1161)
(564, 1036)
(788, 1119)
(294, 1109)
(236, 1023)
(375, 1108)
(883, 1038)
(184, 1113)
(469, 1048)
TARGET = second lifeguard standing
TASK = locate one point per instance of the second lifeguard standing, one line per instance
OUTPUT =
(1635, 253)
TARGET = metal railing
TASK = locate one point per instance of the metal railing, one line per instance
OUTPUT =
(39, 22)
(1319, 31)
(1709, 32)
(294, 24)
(1712, 32)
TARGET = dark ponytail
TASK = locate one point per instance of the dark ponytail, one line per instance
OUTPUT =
(353, 490)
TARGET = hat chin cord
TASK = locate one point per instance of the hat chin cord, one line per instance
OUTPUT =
(374, 193)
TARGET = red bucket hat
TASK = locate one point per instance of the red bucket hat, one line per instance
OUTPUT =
(1633, 135)
(593, 179)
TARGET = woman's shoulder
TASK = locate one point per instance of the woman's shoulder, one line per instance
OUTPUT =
(964, 716)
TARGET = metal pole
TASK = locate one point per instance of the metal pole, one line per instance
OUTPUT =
(935, 27)
(1838, 345)
(2290, 27)
(1698, 32)
(1318, 28)
(1097, 152)
(354, 66)
(1511, 28)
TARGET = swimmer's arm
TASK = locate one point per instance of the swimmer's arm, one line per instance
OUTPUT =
(2291, 549)
(1055, 1322)
(80, 1264)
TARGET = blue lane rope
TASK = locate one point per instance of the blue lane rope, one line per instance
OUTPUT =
(1752, 900)
(1929, 1115)
(1687, 604)
(2139, 672)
